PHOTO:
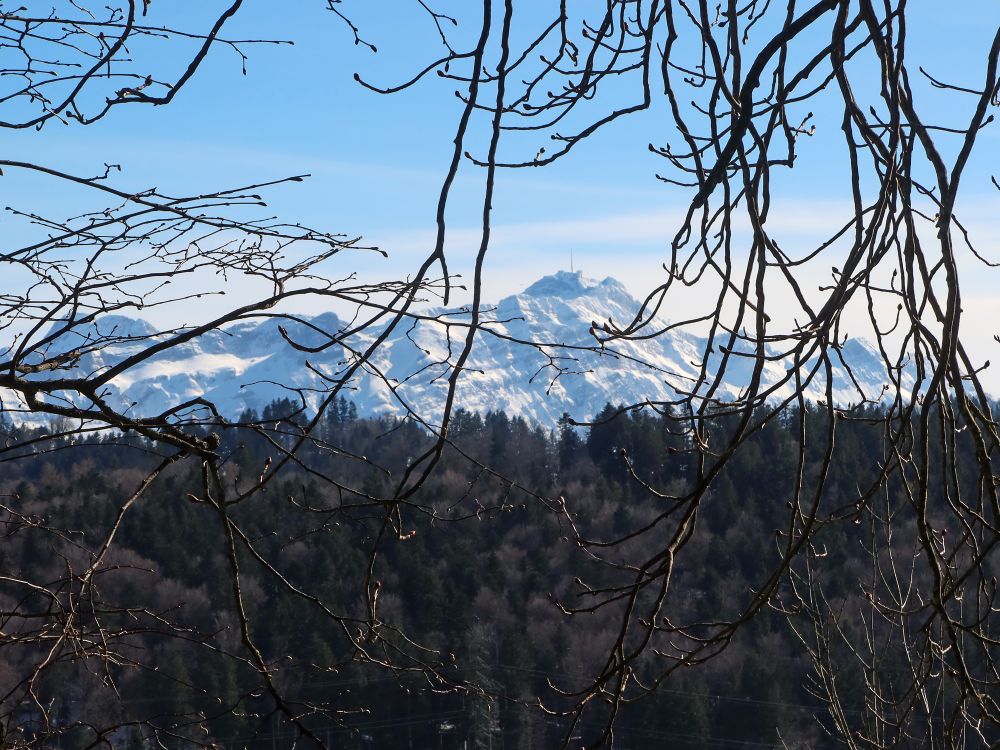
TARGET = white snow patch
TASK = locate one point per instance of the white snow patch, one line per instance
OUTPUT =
(200, 364)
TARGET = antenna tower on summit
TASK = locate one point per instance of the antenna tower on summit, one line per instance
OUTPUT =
(571, 262)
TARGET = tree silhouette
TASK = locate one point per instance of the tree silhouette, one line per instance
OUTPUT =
(739, 87)
(738, 84)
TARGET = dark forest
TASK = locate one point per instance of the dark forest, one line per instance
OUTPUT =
(483, 576)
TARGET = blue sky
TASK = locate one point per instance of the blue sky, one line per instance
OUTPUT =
(377, 161)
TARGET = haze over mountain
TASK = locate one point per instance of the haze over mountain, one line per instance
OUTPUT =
(248, 365)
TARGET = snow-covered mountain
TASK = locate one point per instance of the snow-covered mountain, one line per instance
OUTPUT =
(246, 366)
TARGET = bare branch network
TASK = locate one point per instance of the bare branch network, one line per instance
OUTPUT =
(738, 89)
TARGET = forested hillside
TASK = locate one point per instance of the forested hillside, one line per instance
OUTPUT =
(482, 576)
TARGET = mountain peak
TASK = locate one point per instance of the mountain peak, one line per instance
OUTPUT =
(247, 365)
(570, 285)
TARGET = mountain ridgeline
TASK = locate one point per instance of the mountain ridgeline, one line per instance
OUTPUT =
(250, 364)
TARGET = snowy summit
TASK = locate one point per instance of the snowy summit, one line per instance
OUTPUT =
(248, 365)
